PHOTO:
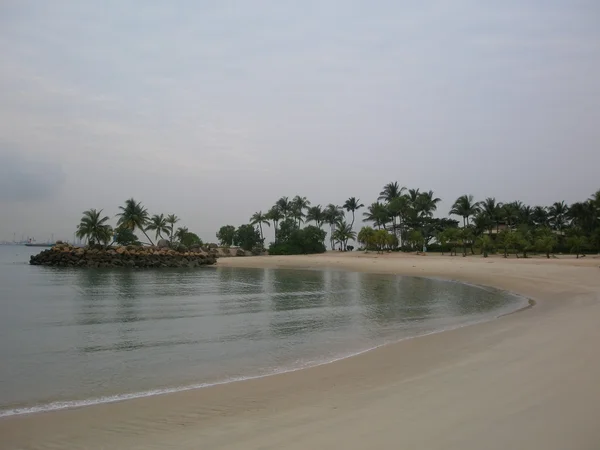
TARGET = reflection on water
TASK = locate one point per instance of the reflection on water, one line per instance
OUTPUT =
(73, 334)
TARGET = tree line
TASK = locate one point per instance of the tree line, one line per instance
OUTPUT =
(403, 219)
(133, 216)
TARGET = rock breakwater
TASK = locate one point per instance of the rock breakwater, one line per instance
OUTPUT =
(64, 255)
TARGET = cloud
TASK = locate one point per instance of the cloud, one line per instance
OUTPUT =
(23, 179)
(320, 98)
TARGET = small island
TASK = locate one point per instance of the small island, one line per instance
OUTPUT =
(120, 246)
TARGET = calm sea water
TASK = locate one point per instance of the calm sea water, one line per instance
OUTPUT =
(73, 337)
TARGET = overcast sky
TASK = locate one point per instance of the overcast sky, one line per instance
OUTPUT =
(214, 109)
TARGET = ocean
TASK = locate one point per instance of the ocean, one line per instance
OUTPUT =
(74, 337)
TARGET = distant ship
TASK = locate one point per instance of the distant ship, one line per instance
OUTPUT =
(31, 243)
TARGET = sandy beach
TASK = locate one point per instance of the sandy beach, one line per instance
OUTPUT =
(529, 380)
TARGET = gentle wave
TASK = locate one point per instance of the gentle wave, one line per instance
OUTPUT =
(60, 405)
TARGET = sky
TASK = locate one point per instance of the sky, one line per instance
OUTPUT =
(212, 110)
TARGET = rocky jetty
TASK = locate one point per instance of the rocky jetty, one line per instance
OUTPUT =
(64, 255)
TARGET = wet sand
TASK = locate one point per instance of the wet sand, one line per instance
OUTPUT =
(527, 380)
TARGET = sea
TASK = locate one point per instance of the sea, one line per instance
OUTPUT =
(77, 337)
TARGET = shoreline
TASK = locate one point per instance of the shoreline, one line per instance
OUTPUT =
(322, 404)
(61, 405)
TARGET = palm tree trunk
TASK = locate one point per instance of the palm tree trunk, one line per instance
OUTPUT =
(147, 237)
(352, 224)
(261, 234)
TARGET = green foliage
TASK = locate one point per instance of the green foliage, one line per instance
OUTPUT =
(225, 235)
(159, 224)
(333, 214)
(505, 240)
(486, 244)
(365, 237)
(315, 214)
(172, 219)
(124, 236)
(578, 244)
(545, 241)
(381, 240)
(595, 239)
(523, 239)
(377, 213)
(465, 207)
(408, 215)
(258, 218)
(247, 237)
(295, 241)
(352, 205)
(189, 239)
(449, 238)
(416, 240)
(466, 237)
(343, 233)
(297, 207)
(94, 228)
(134, 216)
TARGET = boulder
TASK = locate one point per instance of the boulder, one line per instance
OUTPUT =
(163, 243)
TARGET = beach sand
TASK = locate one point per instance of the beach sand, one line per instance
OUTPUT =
(529, 380)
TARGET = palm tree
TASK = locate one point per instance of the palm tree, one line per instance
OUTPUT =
(595, 199)
(481, 224)
(365, 237)
(583, 215)
(258, 218)
(425, 204)
(284, 205)
(181, 232)
(297, 207)
(492, 211)
(377, 213)
(94, 227)
(400, 208)
(557, 215)
(333, 214)
(391, 191)
(351, 205)
(133, 215)
(413, 195)
(343, 233)
(172, 219)
(465, 207)
(510, 213)
(315, 214)
(275, 215)
(526, 215)
(540, 216)
(159, 224)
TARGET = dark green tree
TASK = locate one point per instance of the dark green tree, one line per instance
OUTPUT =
(94, 228)
(352, 205)
(258, 218)
(158, 223)
(225, 235)
(124, 236)
(134, 216)
(247, 237)
(465, 207)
